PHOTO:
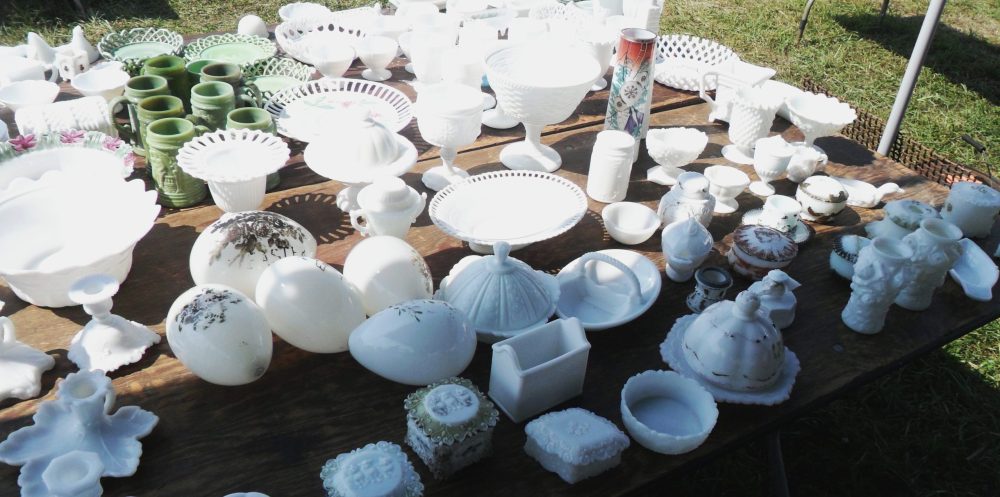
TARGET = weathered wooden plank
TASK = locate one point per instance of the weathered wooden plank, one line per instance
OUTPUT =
(275, 434)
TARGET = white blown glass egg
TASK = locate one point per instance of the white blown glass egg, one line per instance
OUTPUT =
(309, 304)
(387, 271)
(416, 342)
(237, 248)
(220, 335)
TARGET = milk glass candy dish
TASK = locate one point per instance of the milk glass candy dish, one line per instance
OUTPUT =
(973, 207)
(666, 412)
(822, 198)
(819, 115)
(387, 271)
(237, 248)
(25, 93)
(417, 342)
(689, 198)
(108, 341)
(377, 52)
(220, 335)
(378, 469)
(539, 368)
(78, 225)
(356, 152)
(975, 272)
(501, 295)
(91, 153)
(629, 223)
(107, 83)
(78, 420)
(309, 304)
(539, 85)
(388, 207)
(21, 366)
(725, 184)
(235, 164)
(734, 352)
(672, 148)
(607, 288)
(575, 444)
(479, 210)
(449, 116)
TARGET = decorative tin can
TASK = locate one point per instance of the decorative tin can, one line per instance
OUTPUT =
(632, 83)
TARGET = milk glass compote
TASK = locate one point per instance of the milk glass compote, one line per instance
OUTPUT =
(672, 148)
(449, 115)
(377, 52)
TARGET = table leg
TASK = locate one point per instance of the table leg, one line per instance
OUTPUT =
(776, 465)
(805, 19)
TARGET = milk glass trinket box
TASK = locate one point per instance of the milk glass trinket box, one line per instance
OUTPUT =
(376, 470)
(449, 424)
(575, 444)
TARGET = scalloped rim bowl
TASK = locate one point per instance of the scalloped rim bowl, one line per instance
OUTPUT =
(666, 412)
(91, 153)
(63, 226)
(823, 115)
(675, 146)
(31, 92)
(229, 156)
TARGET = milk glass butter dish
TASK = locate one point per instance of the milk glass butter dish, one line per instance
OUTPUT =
(376, 470)
(575, 444)
(449, 424)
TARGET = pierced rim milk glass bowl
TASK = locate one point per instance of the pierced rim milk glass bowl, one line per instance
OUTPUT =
(24, 93)
(377, 52)
(672, 148)
(479, 210)
(725, 184)
(64, 226)
(630, 223)
(818, 115)
(539, 85)
(449, 116)
(235, 164)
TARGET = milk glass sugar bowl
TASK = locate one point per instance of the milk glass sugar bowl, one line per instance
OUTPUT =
(357, 151)
(758, 249)
(734, 351)
(539, 85)
(450, 116)
(501, 295)
(689, 198)
(389, 207)
(972, 207)
(819, 115)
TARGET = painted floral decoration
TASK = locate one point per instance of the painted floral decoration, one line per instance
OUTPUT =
(72, 136)
(23, 142)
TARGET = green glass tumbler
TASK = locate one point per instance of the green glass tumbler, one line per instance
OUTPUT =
(157, 107)
(174, 70)
(211, 103)
(174, 187)
(136, 89)
(194, 70)
(254, 118)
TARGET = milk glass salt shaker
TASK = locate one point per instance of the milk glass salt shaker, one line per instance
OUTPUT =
(610, 166)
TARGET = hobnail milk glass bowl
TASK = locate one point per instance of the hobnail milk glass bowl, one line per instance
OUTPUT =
(672, 148)
(818, 115)
(539, 85)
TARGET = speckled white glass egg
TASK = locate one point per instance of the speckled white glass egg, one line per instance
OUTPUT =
(387, 271)
(416, 342)
(309, 304)
(237, 248)
(220, 335)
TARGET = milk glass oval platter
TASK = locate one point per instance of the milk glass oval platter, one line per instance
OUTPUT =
(92, 152)
(517, 207)
(231, 47)
(298, 109)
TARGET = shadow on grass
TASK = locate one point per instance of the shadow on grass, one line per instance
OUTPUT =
(963, 58)
(53, 12)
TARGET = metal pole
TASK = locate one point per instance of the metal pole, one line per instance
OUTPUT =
(920, 49)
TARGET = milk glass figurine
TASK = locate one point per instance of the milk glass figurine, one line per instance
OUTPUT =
(21, 366)
(71, 62)
(881, 272)
(936, 248)
(776, 298)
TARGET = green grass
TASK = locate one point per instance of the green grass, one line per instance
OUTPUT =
(930, 429)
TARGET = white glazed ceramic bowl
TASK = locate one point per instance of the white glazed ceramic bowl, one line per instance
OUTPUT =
(630, 223)
(107, 83)
(675, 146)
(298, 10)
(63, 226)
(666, 412)
(541, 84)
(24, 93)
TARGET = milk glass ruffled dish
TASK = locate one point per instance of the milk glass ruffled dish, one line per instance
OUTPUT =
(819, 115)
(64, 226)
(25, 93)
(92, 152)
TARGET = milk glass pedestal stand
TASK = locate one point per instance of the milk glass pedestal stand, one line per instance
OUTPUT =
(108, 341)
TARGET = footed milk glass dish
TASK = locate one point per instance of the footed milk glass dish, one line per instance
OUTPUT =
(449, 116)
(377, 52)
(630, 223)
(88, 152)
(539, 85)
(725, 183)
(819, 115)
(331, 60)
(78, 225)
(672, 148)
(235, 164)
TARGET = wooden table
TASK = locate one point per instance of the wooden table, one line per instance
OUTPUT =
(274, 435)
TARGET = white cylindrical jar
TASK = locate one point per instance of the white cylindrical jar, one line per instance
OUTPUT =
(610, 166)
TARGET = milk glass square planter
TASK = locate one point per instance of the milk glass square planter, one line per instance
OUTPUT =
(449, 424)
(539, 368)
(575, 443)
